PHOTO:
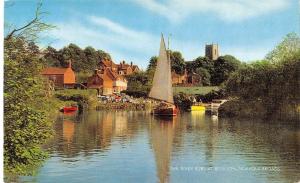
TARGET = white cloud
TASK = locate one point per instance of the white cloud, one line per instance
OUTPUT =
(124, 43)
(228, 10)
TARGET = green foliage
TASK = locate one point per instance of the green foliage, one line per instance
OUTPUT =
(177, 62)
(52, 57)
(81, 77)
(214, 94)
(183, 101)
(152, 64)
(284, 51)
(272, 82)
(203, 62)
(202, 90)
(205, 76)
(223, 67)
(84, 98)
(83, 60)
(139, 84)
(26, 123)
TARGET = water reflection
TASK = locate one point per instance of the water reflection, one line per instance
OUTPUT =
(144, 148)
(161, 138)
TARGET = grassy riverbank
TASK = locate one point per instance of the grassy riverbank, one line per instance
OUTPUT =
(257, 110)
(201, 90)
(83, 98)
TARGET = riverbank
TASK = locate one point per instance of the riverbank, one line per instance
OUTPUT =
(256, 109)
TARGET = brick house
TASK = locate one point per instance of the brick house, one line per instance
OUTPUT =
(61, 77)
(179, 79)
(120, 69)
(106, 82)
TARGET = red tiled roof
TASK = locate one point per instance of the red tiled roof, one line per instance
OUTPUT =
(112, 74)
(123, 66)
(54, 70)
(135, 67)
(108, 63)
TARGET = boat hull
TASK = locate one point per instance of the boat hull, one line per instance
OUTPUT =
(170, 111)
(197, 108)
(69, 109)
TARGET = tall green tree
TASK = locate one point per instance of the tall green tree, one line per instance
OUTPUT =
(177, 62)
(223, 67)
(284, 51)
(52, 57)
(26, 122)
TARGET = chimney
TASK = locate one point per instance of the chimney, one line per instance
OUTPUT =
(123, 61)
(131, 64)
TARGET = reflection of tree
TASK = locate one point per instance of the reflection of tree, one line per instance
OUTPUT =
(267, 144)
(161, 137)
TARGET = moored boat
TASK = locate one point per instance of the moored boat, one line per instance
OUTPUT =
(162, 90)
(67, 109)
(165, 111)
(198, 107)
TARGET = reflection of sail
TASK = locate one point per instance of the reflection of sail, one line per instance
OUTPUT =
(162, 135)
(68, 130)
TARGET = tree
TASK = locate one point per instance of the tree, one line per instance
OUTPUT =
(289, 47)
(52, 57)
(177, 62)
(152, 63)
(273, 83)
(30, 31)
(223, 67)
(26, 122)
(205, 76)
(139, 84)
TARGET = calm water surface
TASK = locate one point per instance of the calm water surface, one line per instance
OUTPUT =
(137, 147)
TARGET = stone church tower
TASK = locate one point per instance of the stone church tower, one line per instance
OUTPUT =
(212, 51)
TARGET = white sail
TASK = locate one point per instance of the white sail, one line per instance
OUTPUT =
(162, 81)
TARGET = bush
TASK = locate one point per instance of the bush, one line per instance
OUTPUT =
(137, 94)
(183, 101)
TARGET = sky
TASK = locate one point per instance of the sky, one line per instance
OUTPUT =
(130, 30)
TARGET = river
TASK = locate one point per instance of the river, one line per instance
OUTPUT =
(109, 146)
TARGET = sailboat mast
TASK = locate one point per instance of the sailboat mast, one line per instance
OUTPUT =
(169, 51)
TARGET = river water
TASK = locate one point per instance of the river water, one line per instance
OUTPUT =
(106, 146)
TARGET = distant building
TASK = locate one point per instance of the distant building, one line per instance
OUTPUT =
(194, 79)
(107, 82)
(178, 79)
(212, 51)
(120, 69)
(61, 77)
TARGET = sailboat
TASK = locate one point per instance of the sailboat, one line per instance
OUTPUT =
(162, 84)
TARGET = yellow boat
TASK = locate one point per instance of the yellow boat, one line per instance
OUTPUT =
(198, 107)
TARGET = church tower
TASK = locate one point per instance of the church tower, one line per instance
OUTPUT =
(212, 51)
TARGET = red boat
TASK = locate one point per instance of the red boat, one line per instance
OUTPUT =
(70, 109)
(166, 111)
